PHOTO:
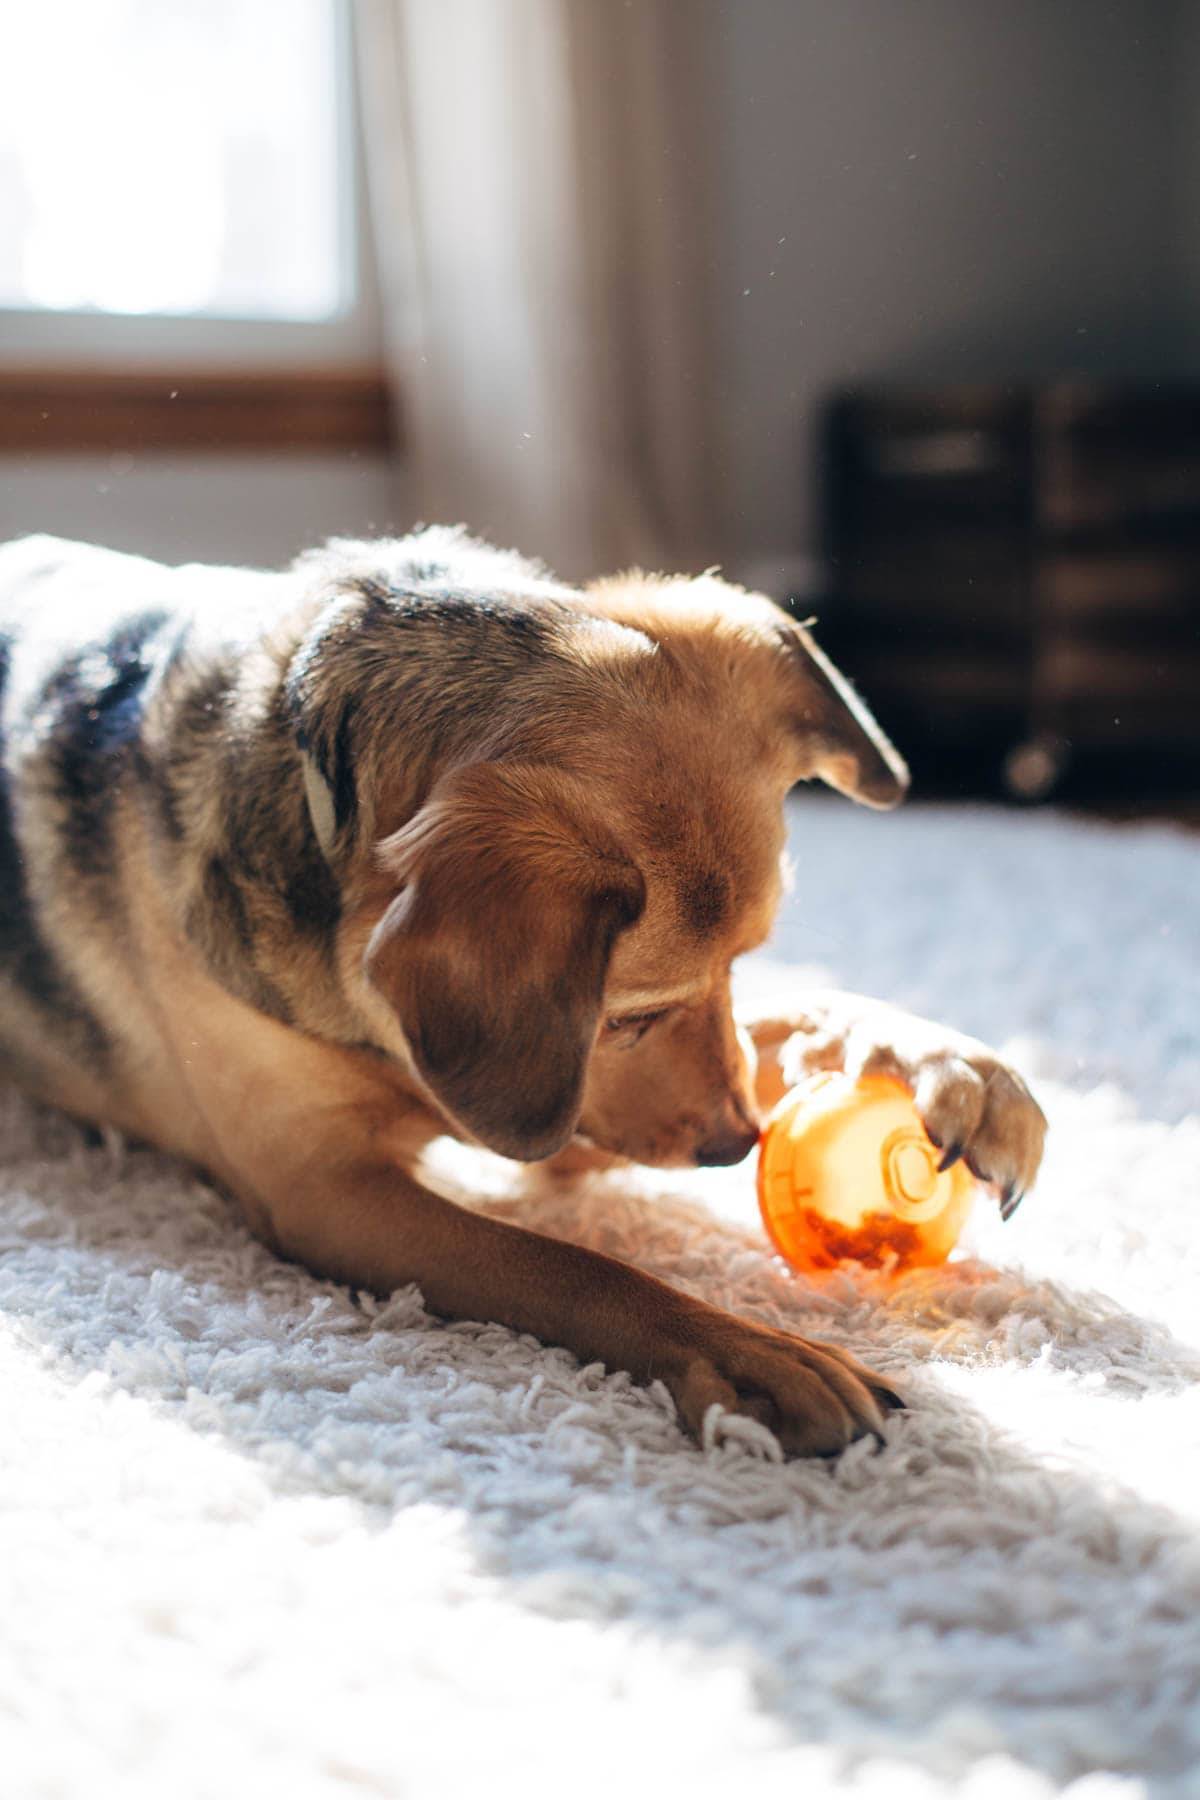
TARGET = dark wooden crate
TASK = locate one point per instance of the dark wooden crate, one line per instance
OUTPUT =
(1009, 564)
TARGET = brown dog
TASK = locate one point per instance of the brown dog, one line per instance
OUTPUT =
(303, 870)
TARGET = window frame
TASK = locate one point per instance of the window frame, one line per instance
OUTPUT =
(82, 381)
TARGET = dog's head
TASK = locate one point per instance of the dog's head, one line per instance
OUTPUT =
(587, 861)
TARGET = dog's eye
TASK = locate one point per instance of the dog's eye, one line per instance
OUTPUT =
(632, 1026)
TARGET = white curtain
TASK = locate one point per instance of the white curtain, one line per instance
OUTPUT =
(539, 194)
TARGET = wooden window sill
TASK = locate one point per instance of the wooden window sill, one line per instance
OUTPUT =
(60, 410)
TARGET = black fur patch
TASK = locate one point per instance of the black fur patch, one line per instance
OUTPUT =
(221, 927)
(340, 774)
(524, 626)
(29, 961)
(90, 714)
(312, 897)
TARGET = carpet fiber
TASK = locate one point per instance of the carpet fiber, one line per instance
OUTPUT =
(257, 1537)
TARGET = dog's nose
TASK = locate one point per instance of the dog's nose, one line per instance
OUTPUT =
(730, 1147)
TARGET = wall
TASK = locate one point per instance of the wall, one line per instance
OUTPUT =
(908, 189)
(1184, 114)
(257, 510)
(931, 190)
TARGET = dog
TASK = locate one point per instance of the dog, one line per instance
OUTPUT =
(304, 870)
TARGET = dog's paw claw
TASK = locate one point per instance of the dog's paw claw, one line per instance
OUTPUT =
(1010, 1199)
(888, 1397)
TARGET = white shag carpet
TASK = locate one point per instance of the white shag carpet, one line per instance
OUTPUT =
(257, 1538)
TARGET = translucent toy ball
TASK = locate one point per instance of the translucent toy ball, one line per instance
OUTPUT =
(846, 1170)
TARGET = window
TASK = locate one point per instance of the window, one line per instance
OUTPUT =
(180, 194)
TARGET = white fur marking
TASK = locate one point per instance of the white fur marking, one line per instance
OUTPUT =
(320, 806)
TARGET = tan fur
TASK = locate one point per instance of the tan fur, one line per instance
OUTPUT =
(396, 853)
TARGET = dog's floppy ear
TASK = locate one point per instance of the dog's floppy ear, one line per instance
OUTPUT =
(495, 950)
(838, 740)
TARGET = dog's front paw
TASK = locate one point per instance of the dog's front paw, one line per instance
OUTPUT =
(972, 1103)
(976, 1107)
(814, 1397)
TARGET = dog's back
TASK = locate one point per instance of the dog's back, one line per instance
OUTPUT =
(89, 639)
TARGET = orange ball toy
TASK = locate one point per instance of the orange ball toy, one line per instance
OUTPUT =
(845, 1170)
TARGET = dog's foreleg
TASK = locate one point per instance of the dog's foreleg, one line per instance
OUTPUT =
(375, 1227)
